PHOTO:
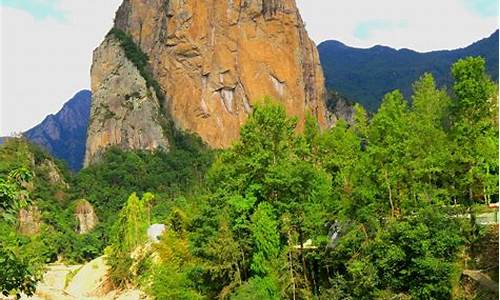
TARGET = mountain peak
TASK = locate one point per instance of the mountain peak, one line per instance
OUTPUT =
(63, 134)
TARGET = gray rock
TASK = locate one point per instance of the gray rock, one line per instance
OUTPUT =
(155, 231)
(125, 111)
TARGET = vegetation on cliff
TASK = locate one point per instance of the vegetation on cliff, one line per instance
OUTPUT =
(139, 59)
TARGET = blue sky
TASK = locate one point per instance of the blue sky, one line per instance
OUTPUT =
(47, 45)
(365, 30)
(484, 8)
(39, 9)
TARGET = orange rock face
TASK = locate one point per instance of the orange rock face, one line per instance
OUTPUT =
(215, 59)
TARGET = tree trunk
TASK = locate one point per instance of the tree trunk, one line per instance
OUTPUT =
(390, 193)
(302, 257)
(290, 257)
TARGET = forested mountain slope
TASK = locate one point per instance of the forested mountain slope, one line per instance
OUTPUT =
(365, 75)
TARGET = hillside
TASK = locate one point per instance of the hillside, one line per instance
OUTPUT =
(64, 134)
(366, 75)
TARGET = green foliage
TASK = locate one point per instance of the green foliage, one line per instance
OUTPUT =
(474, 131)
(267, 241)
(414, 256)
(20, 272)
(119, 173)
(174, 276)
(13, 195)
(139, 59)
(407, 170)
(44, 186)
(265, 176)
(129, 233)
(133, 221)
(21, 268)
(108, 183)
(257, 288)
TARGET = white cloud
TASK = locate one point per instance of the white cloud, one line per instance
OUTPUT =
(45, 62)
(429, 24)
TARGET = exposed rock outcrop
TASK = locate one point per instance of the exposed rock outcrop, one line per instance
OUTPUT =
(213, 60)
(155, 232)
(30, 220)
(339, 108)
(53, 174)
(86, 216)
(81, 282)
(125, 110)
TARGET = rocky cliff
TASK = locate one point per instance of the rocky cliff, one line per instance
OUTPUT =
(212, 60)
(125, 110)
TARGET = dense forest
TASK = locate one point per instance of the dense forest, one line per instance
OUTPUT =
(381, 209)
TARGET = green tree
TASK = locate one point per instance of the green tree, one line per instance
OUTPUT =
(21, 269)
(172, 276)
(13, 193)
(267, 241)
(428, 150)
(269, 169)
(388, 137)
(474, 130)
(129, 233)
(227, 262)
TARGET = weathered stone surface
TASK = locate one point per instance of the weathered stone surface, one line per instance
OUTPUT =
(53, 173)
(86, 217)
(29, 220)
(125, 111)
(216, 58)
(342, 110)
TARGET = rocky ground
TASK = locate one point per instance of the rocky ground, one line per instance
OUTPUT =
(82, 282)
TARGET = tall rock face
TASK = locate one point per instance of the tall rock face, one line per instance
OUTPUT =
(214, 59)
(64, 134)
(125, 110)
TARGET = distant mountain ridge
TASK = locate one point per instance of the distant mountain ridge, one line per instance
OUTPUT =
(366, 75)
(64, 134)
